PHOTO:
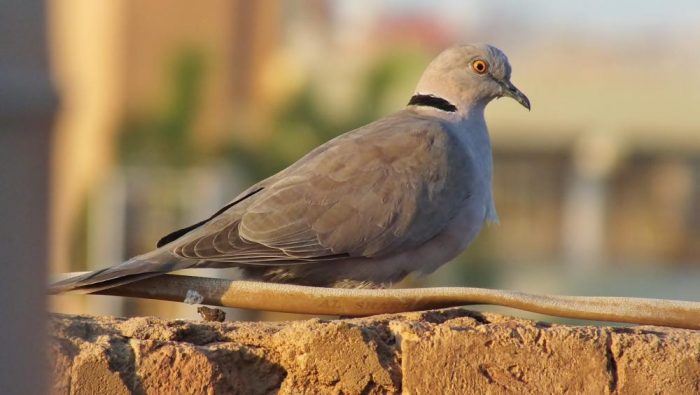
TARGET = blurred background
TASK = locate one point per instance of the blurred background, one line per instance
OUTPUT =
(169, 109)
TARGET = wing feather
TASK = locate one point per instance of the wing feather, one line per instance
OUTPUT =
(391, 185)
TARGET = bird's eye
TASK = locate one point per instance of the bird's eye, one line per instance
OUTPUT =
(480, 66)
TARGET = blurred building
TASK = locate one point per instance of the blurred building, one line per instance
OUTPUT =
(116, 61)
(196, 66)
(608, 158)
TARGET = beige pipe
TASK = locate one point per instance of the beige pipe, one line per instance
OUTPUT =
(363, 302)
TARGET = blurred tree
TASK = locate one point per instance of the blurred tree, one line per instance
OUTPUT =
(166, 136)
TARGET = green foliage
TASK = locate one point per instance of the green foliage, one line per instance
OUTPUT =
(165, 137)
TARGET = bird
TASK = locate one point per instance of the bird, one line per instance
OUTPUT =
(403, 194)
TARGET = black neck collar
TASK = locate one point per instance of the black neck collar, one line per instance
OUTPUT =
(432, 101)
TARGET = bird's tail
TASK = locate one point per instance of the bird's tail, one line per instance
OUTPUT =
(151, 264)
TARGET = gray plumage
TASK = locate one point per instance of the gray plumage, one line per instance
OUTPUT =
(405, 193)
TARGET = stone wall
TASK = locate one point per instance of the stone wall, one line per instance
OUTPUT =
(436, 352)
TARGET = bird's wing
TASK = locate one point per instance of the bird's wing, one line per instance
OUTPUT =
(389, 186)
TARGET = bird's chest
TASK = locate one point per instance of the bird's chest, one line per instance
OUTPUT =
(475, 146)
(476, 176)
(465, 226)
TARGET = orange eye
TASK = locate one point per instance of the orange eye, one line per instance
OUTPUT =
(480, 66)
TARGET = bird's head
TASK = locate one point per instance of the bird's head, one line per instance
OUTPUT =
(468, 77)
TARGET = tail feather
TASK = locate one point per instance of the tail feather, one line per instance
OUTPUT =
(78, 286)
(138, 268)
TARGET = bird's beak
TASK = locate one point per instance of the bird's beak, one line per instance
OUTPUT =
(511, 91)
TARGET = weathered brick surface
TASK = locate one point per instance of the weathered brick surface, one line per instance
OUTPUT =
(447, 351)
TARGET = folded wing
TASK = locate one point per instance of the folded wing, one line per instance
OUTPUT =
(389, 186)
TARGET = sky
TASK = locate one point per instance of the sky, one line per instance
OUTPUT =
(620, 17)
(611, 15)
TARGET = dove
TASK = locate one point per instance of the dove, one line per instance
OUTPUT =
(403, 194)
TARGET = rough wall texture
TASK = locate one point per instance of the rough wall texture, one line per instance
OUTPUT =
(447, 351)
